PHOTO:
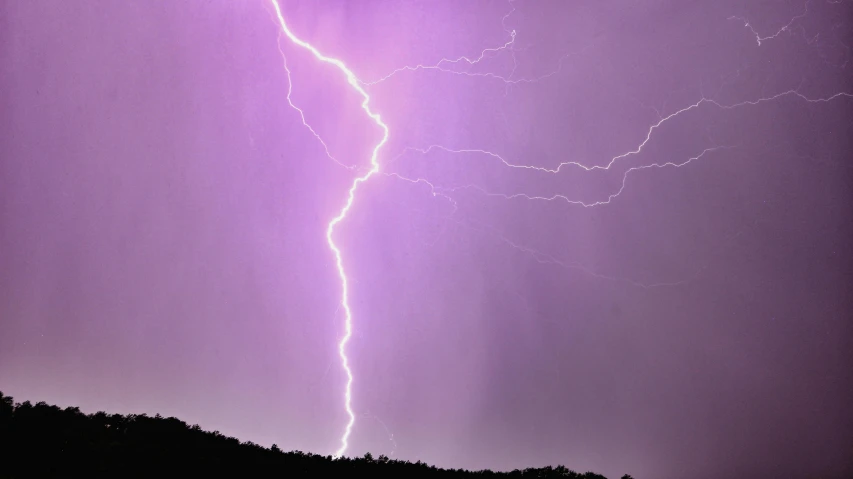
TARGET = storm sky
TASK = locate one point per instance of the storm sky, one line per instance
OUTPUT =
(163, 213)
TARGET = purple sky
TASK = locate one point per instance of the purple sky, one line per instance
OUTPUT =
(163, 214)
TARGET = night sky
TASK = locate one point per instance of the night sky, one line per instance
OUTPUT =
(685, 310)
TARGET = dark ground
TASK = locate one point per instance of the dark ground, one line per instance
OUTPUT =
(42, 440)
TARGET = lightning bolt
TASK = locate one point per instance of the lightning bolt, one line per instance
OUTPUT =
(471, 66)
(302, 113)
(355, 83)
(610, 164)
(785, 28)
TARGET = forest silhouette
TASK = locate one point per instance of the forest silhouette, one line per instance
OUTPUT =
(43, 440)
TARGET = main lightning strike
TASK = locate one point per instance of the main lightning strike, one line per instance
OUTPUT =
(446, 65)
(355, 83)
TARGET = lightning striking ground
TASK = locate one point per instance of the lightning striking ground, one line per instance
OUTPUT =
(374, 168)
(448, 66)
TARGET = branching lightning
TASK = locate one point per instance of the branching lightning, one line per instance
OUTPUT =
(302, 113)
(785, 28)
(465, 65)
(609, 165)
(374, 168)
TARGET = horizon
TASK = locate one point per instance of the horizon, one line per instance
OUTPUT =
(274, 447)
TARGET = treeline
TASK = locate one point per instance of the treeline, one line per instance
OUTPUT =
(42, 440)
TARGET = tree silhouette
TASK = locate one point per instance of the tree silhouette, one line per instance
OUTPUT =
(43, 440)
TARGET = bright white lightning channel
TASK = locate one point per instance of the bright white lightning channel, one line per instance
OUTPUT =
(374, 168)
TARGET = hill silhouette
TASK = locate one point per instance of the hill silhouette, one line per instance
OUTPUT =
(43, 440)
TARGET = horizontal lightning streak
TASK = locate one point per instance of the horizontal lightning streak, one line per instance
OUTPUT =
(507, 79)
(595, 203)
(635, 151)
(374, 168)
(443, 65)
(438, 65)
(545, 258)
(444, 190)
